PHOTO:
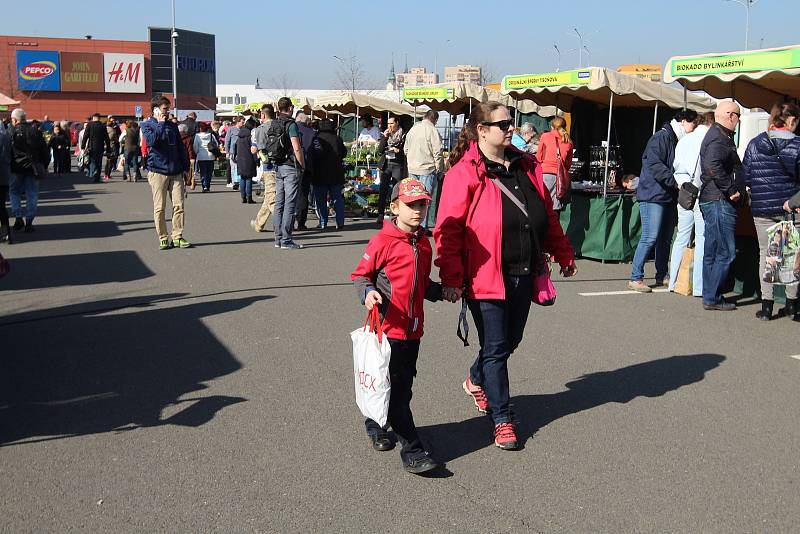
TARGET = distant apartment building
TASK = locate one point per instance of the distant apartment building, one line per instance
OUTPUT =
(416, 77)
(463, 73)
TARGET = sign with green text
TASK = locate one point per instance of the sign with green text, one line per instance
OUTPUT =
(748, 62)
(549, 79)
(427, 93)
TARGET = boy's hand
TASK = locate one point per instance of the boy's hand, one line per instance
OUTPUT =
(570, 270)
(373, 298)
(451, 294)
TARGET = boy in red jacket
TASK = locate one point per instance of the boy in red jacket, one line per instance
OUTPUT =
(394, 274)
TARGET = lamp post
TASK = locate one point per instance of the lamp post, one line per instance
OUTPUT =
(558, 57)
(589, 56)
(747, 5)
(580, 48)
(436, 58)
(174, 63)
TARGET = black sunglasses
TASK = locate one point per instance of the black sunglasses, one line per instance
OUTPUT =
(504, 125)
(738, 115)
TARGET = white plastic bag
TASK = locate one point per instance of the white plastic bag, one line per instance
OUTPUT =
(371, 355)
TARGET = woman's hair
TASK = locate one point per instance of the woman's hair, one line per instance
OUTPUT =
(203, 126)
(480, 113)
(781, 112)
(251, 123)
(560, 125)
(368, 123)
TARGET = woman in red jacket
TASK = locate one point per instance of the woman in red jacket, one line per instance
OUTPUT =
(550, 144)
(488, 247)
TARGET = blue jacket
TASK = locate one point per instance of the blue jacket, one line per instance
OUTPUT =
(165, 151)
(657, 182)
(770, 186)
(719, 164)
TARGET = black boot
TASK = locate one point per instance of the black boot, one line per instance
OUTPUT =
(766, 310)
(19, 224)
(789, 309)
(244, 200)
(250, 200)
(5, 235)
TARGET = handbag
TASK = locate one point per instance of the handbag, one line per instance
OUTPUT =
(544, 292)
(563, 181)
(371, 356)
(688, 193)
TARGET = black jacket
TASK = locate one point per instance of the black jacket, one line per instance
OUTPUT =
(191, 126)
(95, 138)
(132, 142)
(656, 181)
(719, 164)
(59, 142)
(245, 160)
(400, 156)
(29, 149)
(328, 168)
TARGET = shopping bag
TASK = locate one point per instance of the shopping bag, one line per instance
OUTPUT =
(781, 264)
(371, 355)
(121, 165)
(683, 282)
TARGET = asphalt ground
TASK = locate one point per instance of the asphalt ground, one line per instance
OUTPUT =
(211, 390)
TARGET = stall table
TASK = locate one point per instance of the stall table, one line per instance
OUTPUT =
(602, 227)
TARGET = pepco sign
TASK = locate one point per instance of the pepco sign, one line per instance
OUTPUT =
(38, 70)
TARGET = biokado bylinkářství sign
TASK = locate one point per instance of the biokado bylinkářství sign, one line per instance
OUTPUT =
(727, 63)
(549, 79)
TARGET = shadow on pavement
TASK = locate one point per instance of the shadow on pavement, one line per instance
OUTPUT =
(80, 230)
(85, 374)
(75, 270)
(533, 412)
(54, 210)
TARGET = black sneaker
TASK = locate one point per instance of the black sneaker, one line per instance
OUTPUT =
(291, 246)
(381, 441)
(29, 229)
(421, 464)
(19, 224)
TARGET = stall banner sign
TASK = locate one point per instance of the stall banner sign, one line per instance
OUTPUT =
(124, 73)
(238, 108)
(704, 66)
(549, 79)
(82, 72)
(38, 70)
(427, 93)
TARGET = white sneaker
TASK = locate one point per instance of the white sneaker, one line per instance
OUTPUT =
(229, 186)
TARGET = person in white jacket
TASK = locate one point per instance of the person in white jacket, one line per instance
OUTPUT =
(204, 145)
(687, 169)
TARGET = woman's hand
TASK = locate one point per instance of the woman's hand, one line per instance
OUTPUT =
(451, 294)
(570, 270)
(373, 298)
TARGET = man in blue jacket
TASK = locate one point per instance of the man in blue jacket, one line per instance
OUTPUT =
(168, 166)
(658, 196)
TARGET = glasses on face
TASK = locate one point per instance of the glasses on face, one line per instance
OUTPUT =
(738, 115)
(504, 125)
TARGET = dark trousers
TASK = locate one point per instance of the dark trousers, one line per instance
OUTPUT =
(61, 162)
(390, 176)
(206, 170)
(3, 210)
(302, 199)
(500, 325)
(402, 370)
(95, 166)
(111, 164)
(720, 247)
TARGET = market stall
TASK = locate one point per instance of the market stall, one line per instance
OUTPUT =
(756, 79)
(613, 116)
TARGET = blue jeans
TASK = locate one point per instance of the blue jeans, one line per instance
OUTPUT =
(206, 170)
(132, 164)
(500, 325)
(321, 197)
(431, 183)
(95, 166)
(287, 186)
(246, 186)
(720, 247)
(658, 225)
(686, 221)
(23, 184)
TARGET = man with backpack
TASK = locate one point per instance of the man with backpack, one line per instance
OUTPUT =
(29, 153)
(285, 151)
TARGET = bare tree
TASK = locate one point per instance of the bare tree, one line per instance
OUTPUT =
(350, 75)
(488, 73)
(285, 84)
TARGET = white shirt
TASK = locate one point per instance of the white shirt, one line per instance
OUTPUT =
(369, 135)
(687, 157)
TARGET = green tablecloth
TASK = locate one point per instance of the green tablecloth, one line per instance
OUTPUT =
(602, 228)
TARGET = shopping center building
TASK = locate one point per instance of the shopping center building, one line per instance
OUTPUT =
(69, 79)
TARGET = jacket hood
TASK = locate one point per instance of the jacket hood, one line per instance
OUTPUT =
(390, 229)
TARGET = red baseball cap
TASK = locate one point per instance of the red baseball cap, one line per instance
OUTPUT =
(410, 190)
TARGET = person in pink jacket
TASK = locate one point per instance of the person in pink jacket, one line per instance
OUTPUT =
(488, 247)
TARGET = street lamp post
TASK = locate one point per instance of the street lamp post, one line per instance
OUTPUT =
(747, 5)
(589, 56)
(580, 48)
(436, 57)
(558, 57)
(174, 63)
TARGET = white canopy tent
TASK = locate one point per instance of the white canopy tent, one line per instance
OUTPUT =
(756, 78)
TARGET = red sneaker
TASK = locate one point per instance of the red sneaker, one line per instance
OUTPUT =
(477, 394)
(505, 437)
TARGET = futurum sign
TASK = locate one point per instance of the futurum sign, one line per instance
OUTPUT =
(46, 70)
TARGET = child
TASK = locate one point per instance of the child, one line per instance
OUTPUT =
(394, 274)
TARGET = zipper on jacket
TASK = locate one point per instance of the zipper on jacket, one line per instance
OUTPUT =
(414, 285)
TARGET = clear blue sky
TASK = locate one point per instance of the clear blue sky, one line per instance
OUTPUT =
(512, 38)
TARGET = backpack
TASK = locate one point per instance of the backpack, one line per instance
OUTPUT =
(278, 145)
